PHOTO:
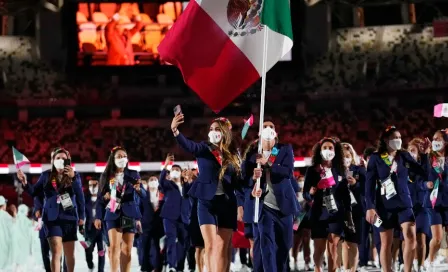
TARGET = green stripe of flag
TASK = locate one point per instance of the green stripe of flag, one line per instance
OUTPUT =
(276, 14)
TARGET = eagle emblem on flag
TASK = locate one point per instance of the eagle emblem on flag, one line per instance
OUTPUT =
(244, 17)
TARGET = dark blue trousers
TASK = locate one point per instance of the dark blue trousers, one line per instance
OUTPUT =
(149, 252)
(177, 242)
(364, 245)
(275, 231)
(95, 238)
(257, 259)
(45, 250)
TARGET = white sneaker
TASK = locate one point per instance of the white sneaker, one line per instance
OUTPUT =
(244, 268)
(377, 264)
(401, 267)
(233, 268)
(421, 269)
(396, 266)
(309, 267)
(429, 266)
(363, 269)
(295, 267)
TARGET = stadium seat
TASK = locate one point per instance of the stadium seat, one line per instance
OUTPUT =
(99, 18)
(172, 9)
(81, 18)
(164, 20)
(145, 18)
(88, 37)
(109, 9)
(153, 37)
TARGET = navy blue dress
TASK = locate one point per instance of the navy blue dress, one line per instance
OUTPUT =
(213, 209)
(57, 221)
(323, 222)
(398, 209)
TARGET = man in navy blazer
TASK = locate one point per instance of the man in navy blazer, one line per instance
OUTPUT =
(149, 246)
(278, 202)
(92, 235)
(176, 214)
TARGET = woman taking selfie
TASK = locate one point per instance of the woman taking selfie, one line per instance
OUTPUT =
(388, 200)
(219, 175)
(119, 186)
(63, 208)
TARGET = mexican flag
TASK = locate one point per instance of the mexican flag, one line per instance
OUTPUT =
(218, 45)
(19, 159)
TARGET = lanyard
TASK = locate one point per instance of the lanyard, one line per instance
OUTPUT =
(435, 190)
(385, 158)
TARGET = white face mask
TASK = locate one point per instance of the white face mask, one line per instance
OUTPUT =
(301, 183)
(93, 190)
(58, 164)
(175, 174)
(395, 144)
(153, 184)
(121, 163)
(327, 154)
(437, 145)
(347, 162)
(215, 137)
(268, 134)
(414, 155)
(94, 198)
(145, 186)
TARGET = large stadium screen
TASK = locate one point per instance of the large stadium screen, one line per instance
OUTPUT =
(124, 34)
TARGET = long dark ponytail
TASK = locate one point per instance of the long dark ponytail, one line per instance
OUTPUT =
(110, 170)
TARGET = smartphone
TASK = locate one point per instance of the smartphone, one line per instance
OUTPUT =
(67, 162)
(378, 222)
(350, 173)
(177, 110)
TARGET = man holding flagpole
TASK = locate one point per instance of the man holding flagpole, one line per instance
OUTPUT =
(278, 199)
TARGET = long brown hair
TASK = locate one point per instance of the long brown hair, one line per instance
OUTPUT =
(66, 181)
(228, 149)
(110, 169)
(338, 160)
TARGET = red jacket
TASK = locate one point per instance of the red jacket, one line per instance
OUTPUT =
(119, 47)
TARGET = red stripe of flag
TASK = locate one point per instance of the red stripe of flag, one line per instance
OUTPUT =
(211, 64)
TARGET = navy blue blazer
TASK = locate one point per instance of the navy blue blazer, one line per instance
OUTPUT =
(206, 183)
(244, 196)
(340, 192)
(53, 211)
(176, 206)
(147, 211)
(442, 196)
(129, 206)
(358, 190)
(90, 218)
(378, 170)
(418, 191)
(282, 179)
(38, 205)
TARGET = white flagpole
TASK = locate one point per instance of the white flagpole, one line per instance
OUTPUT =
(263, 93)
